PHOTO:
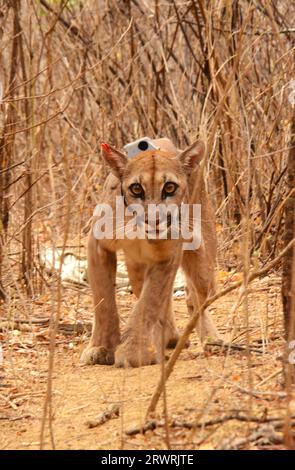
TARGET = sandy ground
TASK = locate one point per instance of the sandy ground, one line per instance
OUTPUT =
(204, 385)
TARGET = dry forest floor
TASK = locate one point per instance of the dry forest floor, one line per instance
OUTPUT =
(215, 399)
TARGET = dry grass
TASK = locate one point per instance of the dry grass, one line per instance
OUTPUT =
(77, 73)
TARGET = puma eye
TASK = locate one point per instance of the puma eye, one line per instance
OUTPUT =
(169, 189)
(136, 190)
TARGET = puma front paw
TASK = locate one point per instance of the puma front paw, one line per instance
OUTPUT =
(136, 353)
(97, 355)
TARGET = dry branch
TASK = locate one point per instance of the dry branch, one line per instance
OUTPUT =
(105, 416)
(153, 424)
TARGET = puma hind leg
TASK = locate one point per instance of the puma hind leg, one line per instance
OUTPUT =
(200, 284)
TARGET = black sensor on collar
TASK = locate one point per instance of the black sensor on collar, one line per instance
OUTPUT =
(143, 145)
(140, 145)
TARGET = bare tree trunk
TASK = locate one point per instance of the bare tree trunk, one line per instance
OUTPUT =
(27, 250)
(7, 144)
(288, 279)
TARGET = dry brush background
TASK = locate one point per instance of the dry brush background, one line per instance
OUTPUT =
(75, 73)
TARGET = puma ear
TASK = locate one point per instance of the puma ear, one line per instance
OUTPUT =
(191, 157)
(115, 159)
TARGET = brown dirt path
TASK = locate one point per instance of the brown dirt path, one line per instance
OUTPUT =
(203, 385)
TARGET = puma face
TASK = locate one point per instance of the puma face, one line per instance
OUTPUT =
(155, 182)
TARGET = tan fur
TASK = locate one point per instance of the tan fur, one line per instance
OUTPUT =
(152, 265)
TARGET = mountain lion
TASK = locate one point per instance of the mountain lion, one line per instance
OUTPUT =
(165, 176)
